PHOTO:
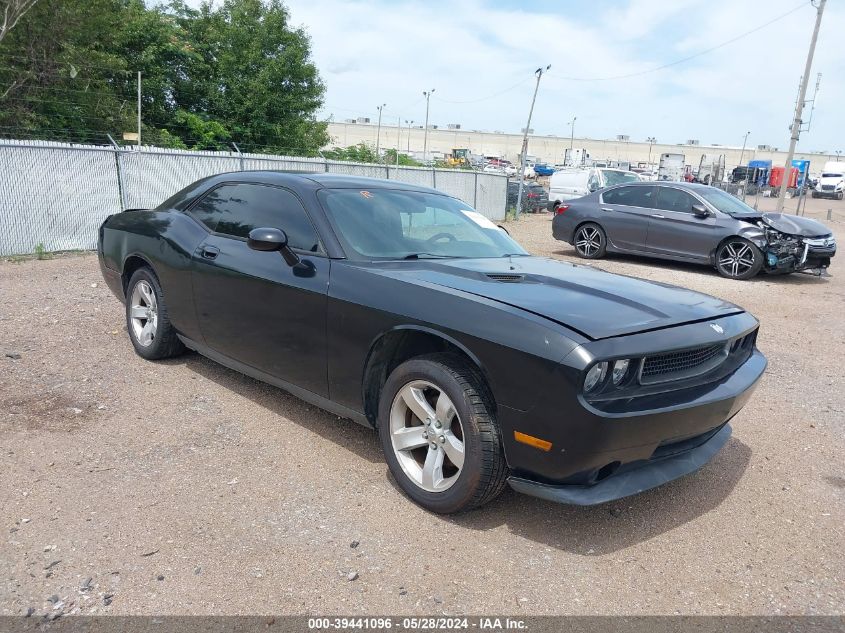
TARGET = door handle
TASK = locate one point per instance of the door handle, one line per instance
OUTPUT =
(209, 252)
(657, 215)
(606, 209)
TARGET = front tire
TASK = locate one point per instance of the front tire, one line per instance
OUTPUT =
(147, 319)
(590, 241)
(439, 434)
(737, 258)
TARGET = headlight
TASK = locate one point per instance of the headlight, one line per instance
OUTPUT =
(620, 369)
(595, 376)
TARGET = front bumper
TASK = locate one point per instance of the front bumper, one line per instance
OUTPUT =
(593, 442)
(635, 479)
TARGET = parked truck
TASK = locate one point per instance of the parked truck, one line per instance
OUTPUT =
(671, 167)
(832, 181)
(577, 157)
(711, 168)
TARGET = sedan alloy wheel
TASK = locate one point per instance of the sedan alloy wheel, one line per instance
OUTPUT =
(590, 241)
(738, 259)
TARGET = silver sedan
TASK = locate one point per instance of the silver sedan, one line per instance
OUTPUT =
(693, 223)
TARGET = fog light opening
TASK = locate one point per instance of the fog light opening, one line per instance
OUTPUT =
(607, 470)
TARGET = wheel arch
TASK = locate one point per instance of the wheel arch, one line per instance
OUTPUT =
(130, 265)
(752, 234)
(401, 343)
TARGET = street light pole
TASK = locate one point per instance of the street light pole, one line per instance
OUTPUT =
(409, 124)
(378, 129)
(398, 138)
(427, 96)
(139, 109)
(799, 108)
(651, 141)
(539, 73)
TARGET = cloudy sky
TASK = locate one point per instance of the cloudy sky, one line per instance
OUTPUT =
(480, 56)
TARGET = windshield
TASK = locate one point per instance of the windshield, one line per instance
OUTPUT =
(725, 202)
(616, 177)
(394, 224)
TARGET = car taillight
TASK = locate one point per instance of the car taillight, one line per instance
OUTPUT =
(532, 195)
(561, 209)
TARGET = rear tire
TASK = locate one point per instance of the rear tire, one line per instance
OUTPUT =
(147, 319)
(590, 241)
(737, 258)
(439, 434)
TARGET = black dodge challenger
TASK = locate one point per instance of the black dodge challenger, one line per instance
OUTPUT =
(405, 310)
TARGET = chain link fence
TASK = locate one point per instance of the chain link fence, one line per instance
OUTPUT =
(57, 194)
(752, 193)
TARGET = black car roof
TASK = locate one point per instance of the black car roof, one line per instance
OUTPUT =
(328, 180)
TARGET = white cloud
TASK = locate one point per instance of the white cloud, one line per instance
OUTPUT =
(376, 52)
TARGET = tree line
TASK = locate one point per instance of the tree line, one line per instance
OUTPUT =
(235, 71)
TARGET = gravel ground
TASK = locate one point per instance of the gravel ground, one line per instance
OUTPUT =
(181, 487)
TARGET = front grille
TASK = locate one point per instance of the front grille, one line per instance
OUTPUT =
(682, 364)
(828, 187)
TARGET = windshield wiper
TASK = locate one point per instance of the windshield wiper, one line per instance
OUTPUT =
(428, 256)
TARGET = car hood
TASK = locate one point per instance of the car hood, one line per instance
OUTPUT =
(795, 225)
(595, 303)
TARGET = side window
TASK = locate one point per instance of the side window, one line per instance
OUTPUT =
(630, 196)
(237, 209)
(593, 183)
(671, 199)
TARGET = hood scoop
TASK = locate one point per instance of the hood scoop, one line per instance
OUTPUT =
(508, 278)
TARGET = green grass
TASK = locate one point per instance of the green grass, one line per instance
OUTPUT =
(41, 252)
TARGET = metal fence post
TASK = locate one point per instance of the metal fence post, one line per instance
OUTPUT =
(475, 192)
(240, 156)
(433, 178)
(120, 184)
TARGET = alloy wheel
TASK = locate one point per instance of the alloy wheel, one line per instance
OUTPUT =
(143, 313)
(588, 241)
(427, 436)
(736, 258)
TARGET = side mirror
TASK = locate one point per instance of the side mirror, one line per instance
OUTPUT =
(701, 211)
(267, 239)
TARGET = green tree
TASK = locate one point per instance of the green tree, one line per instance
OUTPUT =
(252, 72)
(210, 75)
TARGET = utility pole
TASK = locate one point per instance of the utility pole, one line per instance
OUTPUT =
(378, 129)
(427, 96)
(409, 124)
(742, 153)
(572, 134)
(139, 109)
(539, 73)
(799, 107)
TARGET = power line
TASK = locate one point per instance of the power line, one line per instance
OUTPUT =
(492, 96)
(689, 57)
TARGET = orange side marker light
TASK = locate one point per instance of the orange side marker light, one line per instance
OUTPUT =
(536, 442)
